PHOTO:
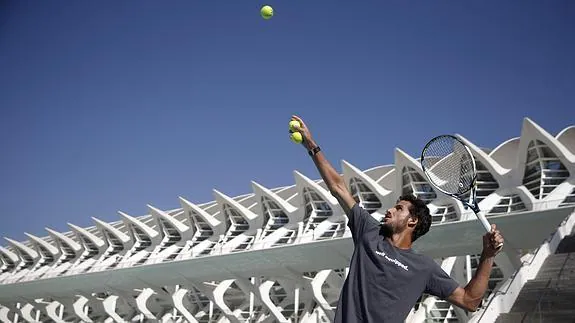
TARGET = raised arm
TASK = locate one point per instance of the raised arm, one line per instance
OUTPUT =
(470, 297)
(332, 179)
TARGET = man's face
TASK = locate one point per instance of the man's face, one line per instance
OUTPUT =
(396, 218)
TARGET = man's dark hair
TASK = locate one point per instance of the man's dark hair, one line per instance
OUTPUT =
(419, 210)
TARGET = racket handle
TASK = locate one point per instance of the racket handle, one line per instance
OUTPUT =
(486, 225)
(484, 222)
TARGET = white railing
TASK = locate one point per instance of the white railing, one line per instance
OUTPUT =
(218, 250)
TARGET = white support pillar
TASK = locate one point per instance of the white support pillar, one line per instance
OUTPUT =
(141, 303)
(316, 285)
(52, 310)
(178, 299)
(79, 306)
(110, 308)
(4, 315)
(27, 314)
(264, 290)
(217, 295)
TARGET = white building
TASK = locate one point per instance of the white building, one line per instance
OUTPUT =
(280, 255)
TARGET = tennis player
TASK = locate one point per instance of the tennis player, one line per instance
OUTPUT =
(386, 277)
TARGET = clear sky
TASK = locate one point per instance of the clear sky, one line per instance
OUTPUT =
(107, 106)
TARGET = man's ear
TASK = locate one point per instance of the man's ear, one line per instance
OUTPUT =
(412, 221)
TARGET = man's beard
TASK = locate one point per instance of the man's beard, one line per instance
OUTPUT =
(386, 230)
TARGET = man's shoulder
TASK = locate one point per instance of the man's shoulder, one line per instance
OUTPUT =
(359, 210)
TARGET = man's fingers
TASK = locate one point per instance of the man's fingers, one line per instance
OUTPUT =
(298, 119)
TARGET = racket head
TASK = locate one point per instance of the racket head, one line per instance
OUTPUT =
(449, 165)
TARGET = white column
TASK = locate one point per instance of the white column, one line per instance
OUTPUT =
(178, 299)
(110, 308)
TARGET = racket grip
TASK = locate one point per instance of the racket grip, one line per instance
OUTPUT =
(484, 222)
(486, 225)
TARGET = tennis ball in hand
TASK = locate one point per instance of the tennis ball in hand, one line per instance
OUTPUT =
(296, 137)
(294, 125)
(267, 12)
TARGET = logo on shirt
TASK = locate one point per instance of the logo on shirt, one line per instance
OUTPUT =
(395, 261)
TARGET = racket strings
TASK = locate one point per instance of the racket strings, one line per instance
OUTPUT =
(449, 165)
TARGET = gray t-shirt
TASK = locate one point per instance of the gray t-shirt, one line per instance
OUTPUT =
(384, 282)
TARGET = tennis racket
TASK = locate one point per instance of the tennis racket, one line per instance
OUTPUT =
(449, 166)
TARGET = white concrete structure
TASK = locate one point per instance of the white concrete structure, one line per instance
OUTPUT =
(280, 255)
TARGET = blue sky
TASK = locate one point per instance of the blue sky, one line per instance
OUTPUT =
(108, 105)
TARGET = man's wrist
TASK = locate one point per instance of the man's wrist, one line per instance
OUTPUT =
(311, 145)
(486, 256)
(312, 152)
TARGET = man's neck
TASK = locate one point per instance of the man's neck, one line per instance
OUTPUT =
(400, 240)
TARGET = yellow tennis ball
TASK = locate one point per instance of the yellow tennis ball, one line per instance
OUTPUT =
(296, 137)
(294, 125)
(267, 12)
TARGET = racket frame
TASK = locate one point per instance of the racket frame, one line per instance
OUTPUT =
(472, 203)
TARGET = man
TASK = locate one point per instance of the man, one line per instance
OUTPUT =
(386, 277)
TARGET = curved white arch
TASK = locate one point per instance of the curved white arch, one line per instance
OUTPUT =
(175, 235)
(350, 171)
(479, 154)
(506, 153)
(83, 233)
(280, 218)
(132, 223)
(530, 131)
(355, 177)
(567, 138)
(326, 218)
(146, 239)
(418, 184)
(60, 237)
(159, 214)
(377, 173)
(544, 162)
(166, 222)
(12, 257)
(242, 224)
(260, 190)
(37, 241)
(197, 210)
(70, 250)
(110, 229)
(47, 252)
(26, 253)
(303, 181)
(207, 230)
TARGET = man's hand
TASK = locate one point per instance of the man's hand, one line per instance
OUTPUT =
(307, 142)
(492, 242)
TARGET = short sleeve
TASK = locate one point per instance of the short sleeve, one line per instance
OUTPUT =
(358, 220)
(440, 284)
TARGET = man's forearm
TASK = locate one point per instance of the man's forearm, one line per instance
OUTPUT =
(330, 176)
(477, 286)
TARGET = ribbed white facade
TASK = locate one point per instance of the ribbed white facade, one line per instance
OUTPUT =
(222, 261)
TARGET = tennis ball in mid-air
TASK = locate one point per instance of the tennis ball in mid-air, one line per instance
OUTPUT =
(267, 12)
(293, 125)
(296, 137)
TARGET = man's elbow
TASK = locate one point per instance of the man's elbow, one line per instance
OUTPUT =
(472, 305)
